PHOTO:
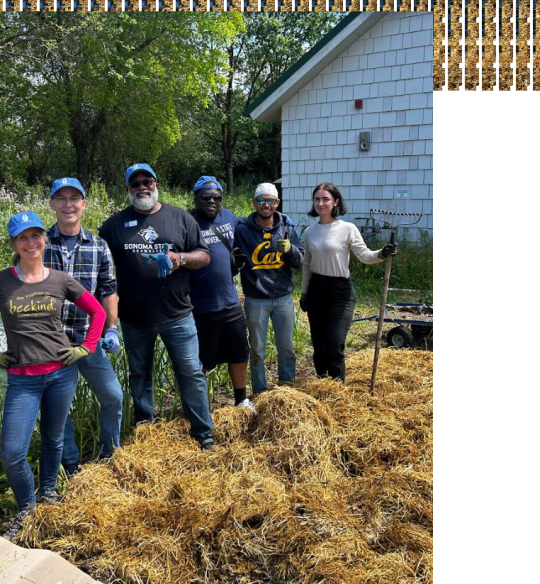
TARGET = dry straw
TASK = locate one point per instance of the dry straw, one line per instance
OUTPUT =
(324, 484)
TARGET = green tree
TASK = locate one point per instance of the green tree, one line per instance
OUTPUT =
(104, 85)
(268, 46)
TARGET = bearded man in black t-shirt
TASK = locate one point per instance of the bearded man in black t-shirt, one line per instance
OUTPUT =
(154, 245)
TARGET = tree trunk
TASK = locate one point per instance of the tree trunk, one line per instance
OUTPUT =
(228, 134)
(229, 164)
(84, 135)
(83, 162)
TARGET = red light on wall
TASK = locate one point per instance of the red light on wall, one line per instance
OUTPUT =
(358, 103)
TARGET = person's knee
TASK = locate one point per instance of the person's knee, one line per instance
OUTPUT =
(53, 437)
(257, 356)
(140, 375)
(257, 343)
(113, 398)
(12, 455)
(286, 348)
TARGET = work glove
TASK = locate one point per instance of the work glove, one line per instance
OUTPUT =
(283, 245)
(6, 360)
(303, 302)
(111, 342)
(238, 260)
(162, 260)
(72, 355)
(390, 249)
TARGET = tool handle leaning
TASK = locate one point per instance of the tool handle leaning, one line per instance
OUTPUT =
(386, 283)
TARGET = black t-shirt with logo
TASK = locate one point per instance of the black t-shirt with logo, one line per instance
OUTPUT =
(145, 299)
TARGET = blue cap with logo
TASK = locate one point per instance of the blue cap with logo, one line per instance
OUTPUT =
(139, 167)
(207, 182)
(60, 183)
(21, 221)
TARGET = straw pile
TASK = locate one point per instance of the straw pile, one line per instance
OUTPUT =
(324, 483)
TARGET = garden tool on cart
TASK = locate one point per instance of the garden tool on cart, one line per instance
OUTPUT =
(411, 219)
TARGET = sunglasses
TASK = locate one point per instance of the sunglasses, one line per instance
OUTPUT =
(261, 201)
(145, 182)
(216, 198)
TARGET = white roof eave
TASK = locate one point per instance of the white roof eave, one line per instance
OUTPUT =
(270, 109)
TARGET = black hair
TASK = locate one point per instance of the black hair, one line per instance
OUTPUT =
(339, 209)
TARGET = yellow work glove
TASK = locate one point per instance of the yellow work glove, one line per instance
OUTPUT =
(72, 355)
(6, 360)
(283, 245)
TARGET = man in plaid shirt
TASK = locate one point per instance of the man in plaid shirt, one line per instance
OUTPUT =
(87, 258)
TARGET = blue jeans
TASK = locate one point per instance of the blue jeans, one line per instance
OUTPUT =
(180, 340)
(25, 394)
(281, 311)
(98, 371)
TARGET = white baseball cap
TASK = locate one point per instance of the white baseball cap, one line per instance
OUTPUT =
(266, 189)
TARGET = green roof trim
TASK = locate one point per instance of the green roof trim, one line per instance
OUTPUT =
(302, 61)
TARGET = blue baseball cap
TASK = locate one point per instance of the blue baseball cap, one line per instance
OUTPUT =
(207, 182)
(21, 221)
(66, 182)
(140, 166)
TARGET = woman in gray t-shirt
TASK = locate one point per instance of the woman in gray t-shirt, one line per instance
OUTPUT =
(39, 361)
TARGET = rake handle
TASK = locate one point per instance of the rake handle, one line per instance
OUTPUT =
(386, 283)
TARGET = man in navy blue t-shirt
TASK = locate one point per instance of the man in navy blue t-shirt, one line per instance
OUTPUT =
(221, 325)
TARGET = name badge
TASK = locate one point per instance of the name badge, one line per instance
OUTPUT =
(130, 223)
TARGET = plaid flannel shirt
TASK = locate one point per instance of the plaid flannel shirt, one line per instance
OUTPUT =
(91, 264)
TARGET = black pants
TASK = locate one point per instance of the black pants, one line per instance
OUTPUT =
(330, 308)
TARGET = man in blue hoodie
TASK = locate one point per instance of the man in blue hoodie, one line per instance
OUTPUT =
(272, 248)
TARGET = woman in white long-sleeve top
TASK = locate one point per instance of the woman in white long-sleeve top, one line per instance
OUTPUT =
(327, 293)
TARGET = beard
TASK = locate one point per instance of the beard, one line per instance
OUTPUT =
(145, 204)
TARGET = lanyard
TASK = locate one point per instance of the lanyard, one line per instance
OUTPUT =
(18, 270)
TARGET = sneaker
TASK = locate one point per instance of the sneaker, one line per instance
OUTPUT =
(72, 469)
(17, 524)
(247, 404)
(208, 447)
(48, 496)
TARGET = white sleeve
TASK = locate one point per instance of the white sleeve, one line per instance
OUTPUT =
(306, 268)
(360, 249)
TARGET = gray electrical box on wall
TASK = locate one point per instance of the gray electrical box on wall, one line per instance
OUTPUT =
(365, 141)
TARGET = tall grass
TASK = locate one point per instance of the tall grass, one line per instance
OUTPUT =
(412, 268)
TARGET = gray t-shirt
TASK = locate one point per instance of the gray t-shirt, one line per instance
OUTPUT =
(32, 315)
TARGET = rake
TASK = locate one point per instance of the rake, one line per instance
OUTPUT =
(393, 228)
